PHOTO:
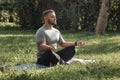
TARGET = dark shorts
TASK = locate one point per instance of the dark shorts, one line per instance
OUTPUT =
(48, 59)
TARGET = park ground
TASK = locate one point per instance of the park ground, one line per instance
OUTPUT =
(17, 46)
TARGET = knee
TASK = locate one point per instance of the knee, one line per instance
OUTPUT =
(73, 48)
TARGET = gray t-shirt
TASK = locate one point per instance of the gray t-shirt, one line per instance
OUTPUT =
(50, 36)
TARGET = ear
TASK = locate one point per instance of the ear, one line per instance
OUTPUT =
(45, 17)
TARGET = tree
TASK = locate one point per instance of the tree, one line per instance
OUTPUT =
(71, 14)
(103, 16)
(30, 12)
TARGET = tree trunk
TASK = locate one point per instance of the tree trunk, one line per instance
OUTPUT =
(103, 17)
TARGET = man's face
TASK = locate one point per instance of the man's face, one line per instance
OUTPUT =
(51, 18)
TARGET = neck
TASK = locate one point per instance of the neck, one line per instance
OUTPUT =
(48, 26)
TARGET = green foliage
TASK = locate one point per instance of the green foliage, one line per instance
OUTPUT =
(18, 46)
(71, 14)
(77, 14)
(28, 13)
(113, 23)
(8, 11)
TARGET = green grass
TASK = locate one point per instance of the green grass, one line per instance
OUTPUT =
(18, 46)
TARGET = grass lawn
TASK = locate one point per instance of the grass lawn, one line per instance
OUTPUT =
(18, 46)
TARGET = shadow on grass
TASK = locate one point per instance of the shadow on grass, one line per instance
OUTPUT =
(14, 43)
(15, 30)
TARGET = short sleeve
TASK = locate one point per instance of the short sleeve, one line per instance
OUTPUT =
(40, 36)
(61, 40)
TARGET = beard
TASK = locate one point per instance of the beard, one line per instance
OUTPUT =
(50, 22)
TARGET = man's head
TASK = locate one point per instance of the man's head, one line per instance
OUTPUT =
(50, 17)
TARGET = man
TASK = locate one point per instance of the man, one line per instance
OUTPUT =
(47, 38)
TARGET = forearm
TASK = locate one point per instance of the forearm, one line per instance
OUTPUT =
(44, 47)
(66, 44)
(77, 43)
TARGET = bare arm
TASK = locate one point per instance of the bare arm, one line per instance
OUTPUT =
(45, 47)
(78, 43)
(66, 44)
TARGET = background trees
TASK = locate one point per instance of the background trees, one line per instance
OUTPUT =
(102, 21)
(71, 14)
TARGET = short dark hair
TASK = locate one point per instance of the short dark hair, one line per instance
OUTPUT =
(47, 11)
